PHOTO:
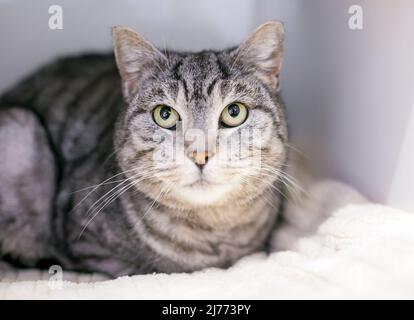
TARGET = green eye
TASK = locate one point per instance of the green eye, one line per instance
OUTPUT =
(234, 114)
(166, 117)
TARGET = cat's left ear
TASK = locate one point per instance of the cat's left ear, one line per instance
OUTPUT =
(263, 53)
(134, 57)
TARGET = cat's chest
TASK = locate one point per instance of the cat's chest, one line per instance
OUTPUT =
(182, 246)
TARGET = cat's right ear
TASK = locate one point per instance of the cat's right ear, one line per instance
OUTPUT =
(263, 52)
(134, 55)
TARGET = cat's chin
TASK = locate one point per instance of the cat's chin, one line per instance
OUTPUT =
(203, 193)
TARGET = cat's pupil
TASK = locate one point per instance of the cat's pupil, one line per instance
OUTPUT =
(165, 113)
(234, 110)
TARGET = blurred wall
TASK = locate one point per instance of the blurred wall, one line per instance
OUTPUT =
(27, 40)
(349, 93)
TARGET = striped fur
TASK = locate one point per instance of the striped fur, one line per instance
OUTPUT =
(95, 128)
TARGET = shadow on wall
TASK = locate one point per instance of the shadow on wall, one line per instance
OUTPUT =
(350, 92)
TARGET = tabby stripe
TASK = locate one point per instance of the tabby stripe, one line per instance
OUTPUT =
(158, 235)
(105, 107)
(177, 75)
(223, 69)
(185, 87)
(262, 229)
(212, 84)
(142, 153)
(81, 98)
(275, 122)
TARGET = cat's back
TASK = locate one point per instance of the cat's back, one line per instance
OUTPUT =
(77, 98)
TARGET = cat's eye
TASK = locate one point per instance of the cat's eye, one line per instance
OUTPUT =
(234, 114)
(166, 117)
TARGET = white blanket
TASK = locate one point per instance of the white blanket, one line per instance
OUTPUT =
(334, 244)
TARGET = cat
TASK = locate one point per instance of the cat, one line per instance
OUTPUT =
(81, 185)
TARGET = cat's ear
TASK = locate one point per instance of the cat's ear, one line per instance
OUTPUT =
(134, 56)
(263, 52)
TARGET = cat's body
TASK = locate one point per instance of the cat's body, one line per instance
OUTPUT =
(66, 128)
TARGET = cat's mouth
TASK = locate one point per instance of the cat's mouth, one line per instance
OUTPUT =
(202, 191)
(201, 183)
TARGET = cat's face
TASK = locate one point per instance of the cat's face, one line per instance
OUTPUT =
(202, 129)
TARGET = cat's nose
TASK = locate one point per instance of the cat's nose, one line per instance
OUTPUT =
(199, 158)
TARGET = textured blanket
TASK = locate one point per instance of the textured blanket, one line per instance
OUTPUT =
(333, 244)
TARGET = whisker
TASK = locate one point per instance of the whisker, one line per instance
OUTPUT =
(158, 197)
(113, 190)
(124, 189)
(268, 201)
(97, 186)
(279, 175)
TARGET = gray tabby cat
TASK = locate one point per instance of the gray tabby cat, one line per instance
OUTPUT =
(81, 187)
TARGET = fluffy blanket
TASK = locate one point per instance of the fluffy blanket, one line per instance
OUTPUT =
(333, 244)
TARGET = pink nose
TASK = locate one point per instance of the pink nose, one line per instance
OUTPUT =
(199, 158)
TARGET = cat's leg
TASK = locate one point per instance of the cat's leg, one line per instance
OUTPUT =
(27, 183)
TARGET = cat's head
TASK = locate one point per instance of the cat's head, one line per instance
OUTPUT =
(201, 129)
